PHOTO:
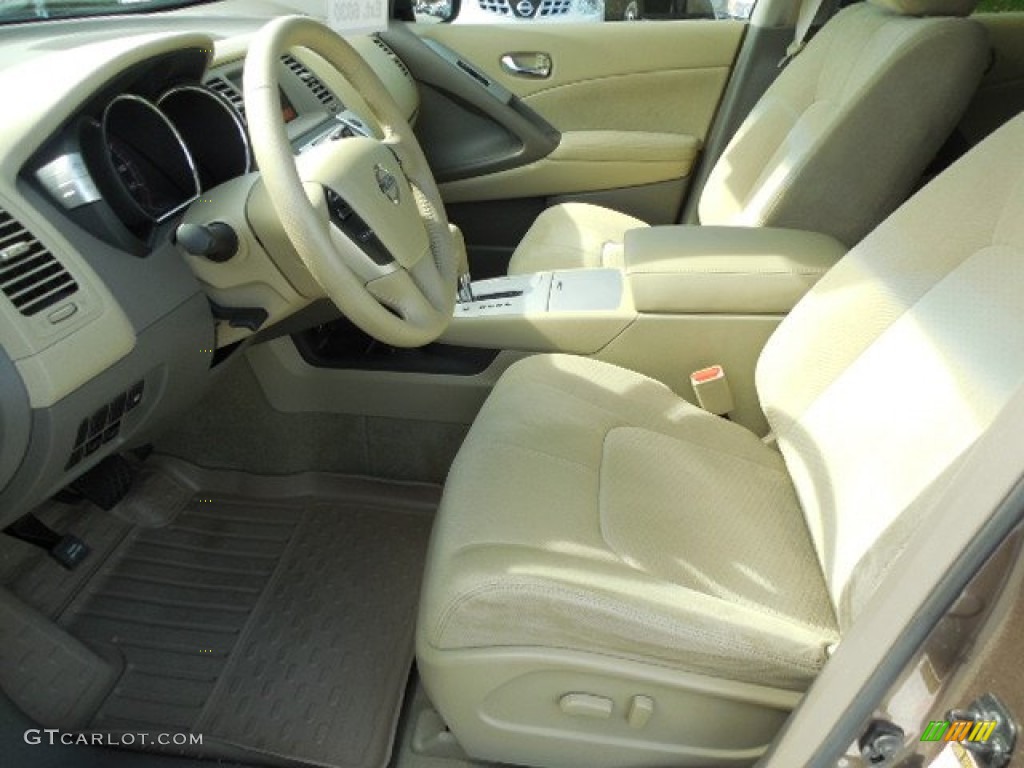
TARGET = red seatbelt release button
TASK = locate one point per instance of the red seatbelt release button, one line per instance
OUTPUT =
(712, 389)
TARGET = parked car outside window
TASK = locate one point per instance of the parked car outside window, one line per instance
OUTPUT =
(549, 11)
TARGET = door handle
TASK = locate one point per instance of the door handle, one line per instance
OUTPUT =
(532, 64)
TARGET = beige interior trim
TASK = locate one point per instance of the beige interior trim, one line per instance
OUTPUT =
(681, 100)
(517, 692)
(586, 52)
(250, 278)
(988, 474)
(666, 347)
(54, 360)
(412, 303)
(634, 102)
(585, 161)
(928, 7)
(402, 89)
(671, 347)
(291, 385)
(60, 369)
(690, 270)
(581, 333)
(627, 146)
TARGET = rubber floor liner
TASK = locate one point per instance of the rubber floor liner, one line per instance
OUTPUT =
(275, 616)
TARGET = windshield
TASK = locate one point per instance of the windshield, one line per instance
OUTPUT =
(13, 11)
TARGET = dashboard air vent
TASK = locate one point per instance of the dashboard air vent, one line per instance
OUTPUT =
(393, 56)
(315, 85)
(30, 276)
(224, 88)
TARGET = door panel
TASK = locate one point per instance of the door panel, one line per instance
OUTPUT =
(585, 161)
(629, 107)
(633, 102)
(656, 76)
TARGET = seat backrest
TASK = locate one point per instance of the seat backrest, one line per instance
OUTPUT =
(898, 360)
(846, 130)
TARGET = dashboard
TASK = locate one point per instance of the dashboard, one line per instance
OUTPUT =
(165, 134)
(125, 131)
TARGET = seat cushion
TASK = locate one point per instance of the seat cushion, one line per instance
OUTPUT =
(592, 509)
(573, 236)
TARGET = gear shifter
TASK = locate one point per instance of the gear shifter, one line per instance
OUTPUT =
(464, 293)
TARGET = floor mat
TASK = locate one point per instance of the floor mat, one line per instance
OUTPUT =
(275, 616)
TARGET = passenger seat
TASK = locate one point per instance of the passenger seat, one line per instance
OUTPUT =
(833, 146)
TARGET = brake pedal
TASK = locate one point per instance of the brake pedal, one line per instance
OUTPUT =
(106, 483)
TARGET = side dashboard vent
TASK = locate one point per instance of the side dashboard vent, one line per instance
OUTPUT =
(315, 85)
(223, 87)
(393, 56)
(30, 276)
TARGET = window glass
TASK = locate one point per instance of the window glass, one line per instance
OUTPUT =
(547, 11)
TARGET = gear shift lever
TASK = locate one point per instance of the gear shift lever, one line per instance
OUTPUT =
(464, 291)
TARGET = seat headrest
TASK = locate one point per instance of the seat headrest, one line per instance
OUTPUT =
(928, 7)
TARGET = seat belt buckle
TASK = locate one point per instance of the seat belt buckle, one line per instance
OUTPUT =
(712, 389)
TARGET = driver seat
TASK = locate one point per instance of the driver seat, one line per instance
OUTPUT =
(618, 578)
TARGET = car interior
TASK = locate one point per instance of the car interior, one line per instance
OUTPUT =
(569, 395)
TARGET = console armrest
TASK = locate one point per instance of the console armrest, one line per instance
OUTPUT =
(734, 270)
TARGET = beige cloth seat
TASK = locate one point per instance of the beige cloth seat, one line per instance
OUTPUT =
(567, 550)
(601, 540)
(833, 145)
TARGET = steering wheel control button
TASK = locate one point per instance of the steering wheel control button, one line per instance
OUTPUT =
(351, 223)
(586, 705)
(340, 210)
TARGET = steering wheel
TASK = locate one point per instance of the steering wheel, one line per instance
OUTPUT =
(365, 216)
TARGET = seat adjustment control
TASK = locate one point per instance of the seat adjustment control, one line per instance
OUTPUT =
(641, 710)
(586, 705)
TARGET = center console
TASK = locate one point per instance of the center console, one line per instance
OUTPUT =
(577, 310)
(685, 298)
(725, 270)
